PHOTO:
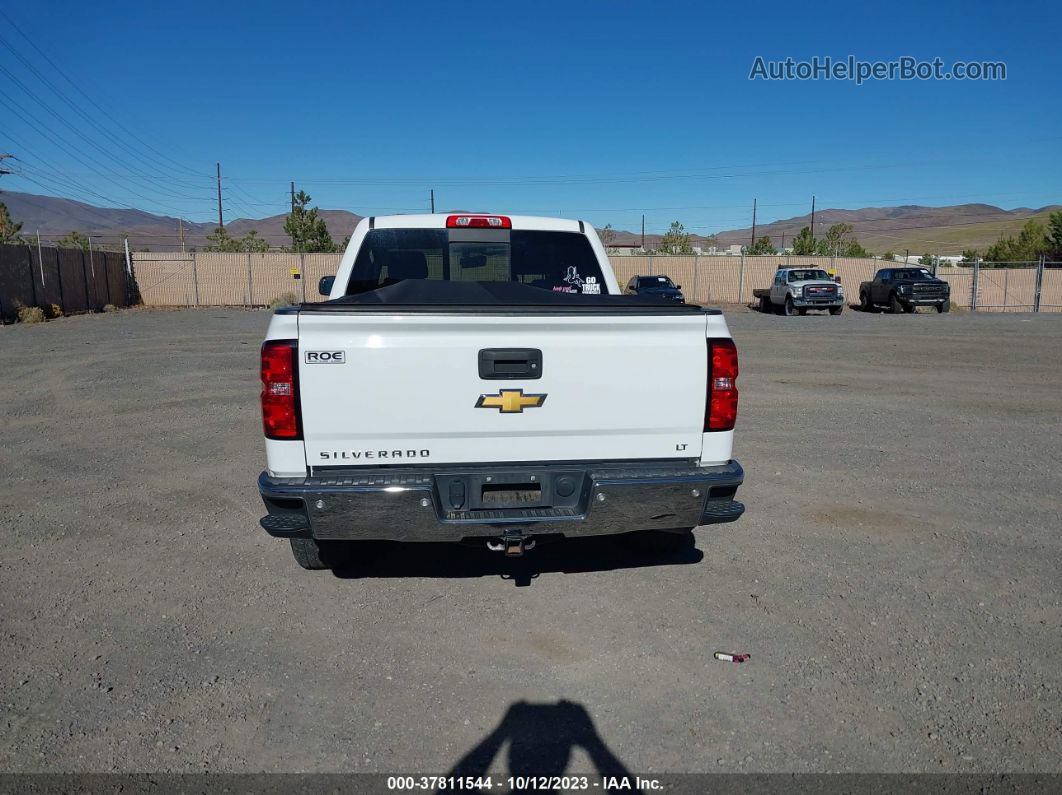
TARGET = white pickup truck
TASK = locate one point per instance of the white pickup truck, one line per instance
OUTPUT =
(480, 378)
(796, 290)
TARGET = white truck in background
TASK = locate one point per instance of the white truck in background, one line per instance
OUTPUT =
(796, 290)
(480, 378)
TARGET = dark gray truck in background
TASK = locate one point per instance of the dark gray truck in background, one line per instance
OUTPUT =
(904, 290)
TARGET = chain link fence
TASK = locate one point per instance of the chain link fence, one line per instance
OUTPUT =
(210, 279)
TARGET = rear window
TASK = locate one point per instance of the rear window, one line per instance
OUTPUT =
(808, 276)
(557, 261)
(654, 281)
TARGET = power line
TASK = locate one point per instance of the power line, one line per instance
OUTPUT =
(62, 145)
(78, 132)
(153, 163)
(36, 180)
(95, 104)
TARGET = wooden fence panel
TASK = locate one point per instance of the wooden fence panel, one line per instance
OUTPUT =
(16, 281)
(44, 264)
(72, 272)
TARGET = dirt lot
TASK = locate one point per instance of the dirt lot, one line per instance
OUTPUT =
(896, 578)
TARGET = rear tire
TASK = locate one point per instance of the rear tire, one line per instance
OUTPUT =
(943, 306)
(895, 307)
(864, 303)
(836, 310)
(309, 554)
(789, 309)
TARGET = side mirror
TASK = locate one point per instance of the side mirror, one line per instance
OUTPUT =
(678, 287)
(324, 287)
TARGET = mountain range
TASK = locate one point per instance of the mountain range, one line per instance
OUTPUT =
(919, 229)
(939, 230)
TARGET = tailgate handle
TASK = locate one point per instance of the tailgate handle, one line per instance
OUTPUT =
(513, 363)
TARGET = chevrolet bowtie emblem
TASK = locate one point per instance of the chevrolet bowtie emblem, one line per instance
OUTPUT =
(510, 401)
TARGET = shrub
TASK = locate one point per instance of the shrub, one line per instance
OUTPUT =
(110, 308)
(57, 311)
(30, 314)
(283, 300)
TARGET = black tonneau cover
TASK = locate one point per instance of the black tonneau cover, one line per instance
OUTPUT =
(435, 295)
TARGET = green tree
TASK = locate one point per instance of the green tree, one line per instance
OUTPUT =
(307, 230)
(804, 244)
(675, 241)
(74, 240)
(969, 256)
(889, 256)
(607, 235)
(927, 260)
(761, 247)
(830, 245)
(221, 240)
(1031, 242)
(8, 228)
(253, 243)
(839, 242)
(1054, 226)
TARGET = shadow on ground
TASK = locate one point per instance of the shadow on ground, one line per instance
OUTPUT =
(539, 740)
(377, 559)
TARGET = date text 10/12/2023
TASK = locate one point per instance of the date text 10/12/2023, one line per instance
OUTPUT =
(522, 783)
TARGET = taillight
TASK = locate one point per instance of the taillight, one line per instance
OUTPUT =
(720, 413)
(280, 395)
(478, 222)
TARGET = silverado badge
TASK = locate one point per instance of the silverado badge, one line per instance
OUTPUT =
(510, 401)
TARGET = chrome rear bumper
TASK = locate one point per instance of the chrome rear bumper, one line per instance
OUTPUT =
(455, 503)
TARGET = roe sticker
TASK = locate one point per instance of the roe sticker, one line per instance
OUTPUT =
(325, 357)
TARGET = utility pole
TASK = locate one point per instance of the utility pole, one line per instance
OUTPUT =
(293, 212)
(221, 217)
(2, 158)
(813, 216)
(433, 201)
(752, 243)
(180, 232)
(643, 231)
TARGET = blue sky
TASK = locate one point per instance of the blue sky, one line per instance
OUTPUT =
(596, 110)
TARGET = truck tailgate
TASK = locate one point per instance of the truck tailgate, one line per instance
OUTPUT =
(409, 387)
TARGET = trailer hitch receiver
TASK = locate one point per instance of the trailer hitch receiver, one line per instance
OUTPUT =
(513, 544)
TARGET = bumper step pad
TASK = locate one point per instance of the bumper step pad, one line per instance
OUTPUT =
(719, 511)
(284, 524)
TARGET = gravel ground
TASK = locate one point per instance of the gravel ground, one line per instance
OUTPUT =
(896, 578)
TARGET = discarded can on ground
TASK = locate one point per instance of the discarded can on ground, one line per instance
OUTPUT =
(725, 657)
